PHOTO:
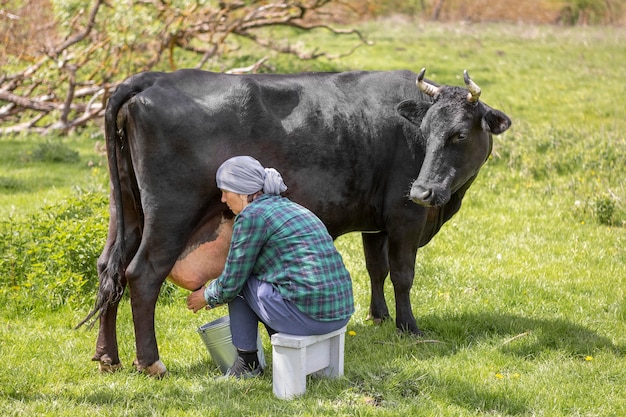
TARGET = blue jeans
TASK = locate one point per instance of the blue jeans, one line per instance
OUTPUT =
(260, 301)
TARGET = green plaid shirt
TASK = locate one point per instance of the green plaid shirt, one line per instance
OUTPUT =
(278, 241)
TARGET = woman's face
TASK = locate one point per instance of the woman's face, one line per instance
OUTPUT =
(235, 202)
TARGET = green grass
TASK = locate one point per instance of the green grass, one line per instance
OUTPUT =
(35, 171)
(520, 296)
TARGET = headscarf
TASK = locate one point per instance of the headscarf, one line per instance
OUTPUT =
(245, 175)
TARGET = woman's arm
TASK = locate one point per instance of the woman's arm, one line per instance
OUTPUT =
(249, 236)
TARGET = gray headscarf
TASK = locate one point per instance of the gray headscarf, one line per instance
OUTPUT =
(245, 175)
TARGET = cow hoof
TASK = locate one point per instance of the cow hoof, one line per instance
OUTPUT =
(157, 369)
(378, 319)
(106, 365)
(108, 368)
(409, 329)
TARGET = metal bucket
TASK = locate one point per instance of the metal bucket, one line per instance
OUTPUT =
(218, 341)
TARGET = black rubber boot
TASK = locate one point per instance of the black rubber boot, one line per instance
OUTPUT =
(246, 365)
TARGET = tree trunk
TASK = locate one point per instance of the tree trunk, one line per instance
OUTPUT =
(437, 10)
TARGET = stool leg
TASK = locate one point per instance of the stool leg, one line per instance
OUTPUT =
(289, 371)
(335, 368)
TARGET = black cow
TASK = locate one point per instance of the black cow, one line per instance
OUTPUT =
(354, 147)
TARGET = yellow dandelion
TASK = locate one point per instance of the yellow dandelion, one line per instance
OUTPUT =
(588, 358)
(352, 333)
(499, 376)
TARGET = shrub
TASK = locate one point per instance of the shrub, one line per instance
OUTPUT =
(605, 211)
(49, 258)
(50, 151)
(10, 184)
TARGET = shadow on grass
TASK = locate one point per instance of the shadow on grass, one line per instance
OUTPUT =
(516, 335)
(205, 367)
(395, 366)
(525, 337)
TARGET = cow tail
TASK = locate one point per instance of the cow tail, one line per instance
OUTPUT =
(111, 287)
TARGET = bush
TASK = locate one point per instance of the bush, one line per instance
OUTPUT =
(48, 259)
(50, 151)
(605, 211)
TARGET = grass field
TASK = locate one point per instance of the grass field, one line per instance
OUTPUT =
(520, 296)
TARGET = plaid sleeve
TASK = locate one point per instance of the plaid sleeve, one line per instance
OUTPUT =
(248, 238)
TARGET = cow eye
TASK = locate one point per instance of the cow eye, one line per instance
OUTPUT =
(460, 137)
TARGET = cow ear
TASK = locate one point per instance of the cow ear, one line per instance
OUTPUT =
(495, 121)
(413, 111)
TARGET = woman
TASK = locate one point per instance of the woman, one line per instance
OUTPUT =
(282, 267)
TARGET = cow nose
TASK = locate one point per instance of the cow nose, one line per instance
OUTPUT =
(422, 196)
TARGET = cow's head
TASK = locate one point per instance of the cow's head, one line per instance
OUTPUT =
(456, 130)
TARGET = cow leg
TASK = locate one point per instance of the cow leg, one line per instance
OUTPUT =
(377, 264)
(106, 346)
(107, 354)
(402, 263)
(144, 289)
(146, 273)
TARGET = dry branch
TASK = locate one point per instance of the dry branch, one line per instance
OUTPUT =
(519, 336)
(67, 84)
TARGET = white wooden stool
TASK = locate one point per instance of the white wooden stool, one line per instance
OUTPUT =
(295, 357)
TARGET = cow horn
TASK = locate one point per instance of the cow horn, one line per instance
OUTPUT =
(425, 87)
(474, 90)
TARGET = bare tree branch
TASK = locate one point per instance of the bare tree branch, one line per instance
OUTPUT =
(251, 68)
(66, 86)
(39, 104)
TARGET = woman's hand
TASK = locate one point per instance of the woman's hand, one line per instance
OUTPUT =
(196, 301)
